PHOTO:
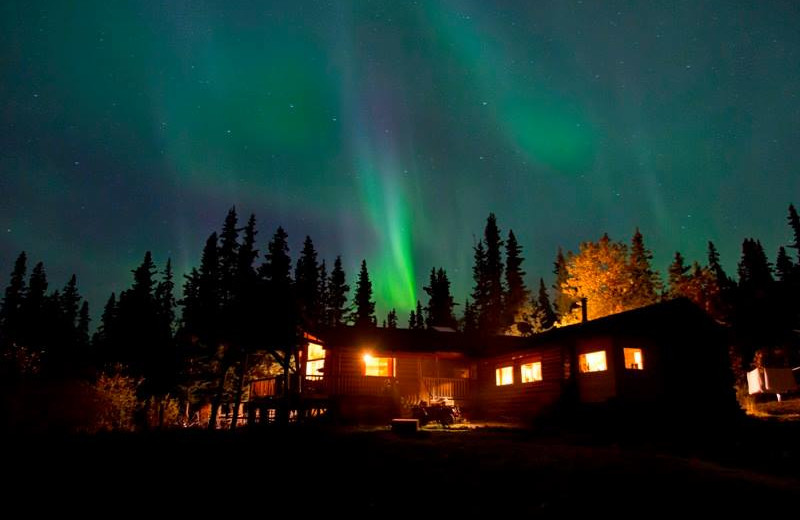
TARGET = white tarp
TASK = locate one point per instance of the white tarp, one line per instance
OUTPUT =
(771, 380)
(755, 382)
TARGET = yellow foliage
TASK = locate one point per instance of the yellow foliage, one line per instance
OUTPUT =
(600, 273)
(115, 395)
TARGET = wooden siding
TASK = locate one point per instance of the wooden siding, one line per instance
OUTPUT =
(597, 387)
(520, 401)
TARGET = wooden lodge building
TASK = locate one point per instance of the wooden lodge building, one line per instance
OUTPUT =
(669, 357)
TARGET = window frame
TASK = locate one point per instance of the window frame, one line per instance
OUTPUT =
(392, 368)
(532, 363)
(583, 362)
(499, 375)
(640, 365)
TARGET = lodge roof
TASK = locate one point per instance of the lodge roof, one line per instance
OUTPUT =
(678, 316)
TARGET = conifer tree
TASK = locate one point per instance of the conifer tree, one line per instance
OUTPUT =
(480, 289)
(546, 317)
(32, 333)
(677, 276)
(755, 271)
(228, 255)
(562, 301)
(794, 223)
(281, 309)
(440, 301)
(363, 314)
(247, 305)
(784, 267)
(516, 292)
(324, 294)
(391, 319)
(420, 324)
(412, 320)
(165, 300)
(490, 317)
(307, 285)
(715, 266)
(83, 326)
(645, 282)
(337, 294)
(469, 323)
(11, 308)
(105, 332)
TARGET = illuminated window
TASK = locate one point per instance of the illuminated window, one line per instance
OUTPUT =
(634, 359)
(531, 372)
(593, 361)
(378, 366)
(504, 376)
(315, 361)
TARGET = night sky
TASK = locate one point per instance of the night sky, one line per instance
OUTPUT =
(389, 130)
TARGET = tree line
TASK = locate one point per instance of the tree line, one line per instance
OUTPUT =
(242, 311)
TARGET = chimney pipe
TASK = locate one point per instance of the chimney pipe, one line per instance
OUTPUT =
(584, 317)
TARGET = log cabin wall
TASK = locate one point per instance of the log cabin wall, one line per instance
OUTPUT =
(599, 386)
(634, 385)
(518, 400)
(415, 377)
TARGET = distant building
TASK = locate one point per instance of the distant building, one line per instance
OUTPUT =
(668, 357)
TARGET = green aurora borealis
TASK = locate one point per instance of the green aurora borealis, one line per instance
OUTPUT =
(389, 130)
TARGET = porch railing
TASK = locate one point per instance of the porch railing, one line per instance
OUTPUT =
(457, 388)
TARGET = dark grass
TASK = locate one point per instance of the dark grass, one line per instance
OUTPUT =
(548, 471)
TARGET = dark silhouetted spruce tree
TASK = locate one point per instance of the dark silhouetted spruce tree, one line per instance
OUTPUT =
(645, 282)
(34, 330)
(228, 255)
(136, 340)
(165, 301)
(469, 322)
(324, 294)
(106, 331)
(480, 289)
(277, 272)
(715, 267)
(794, 223)
(83, 326)
(754, 314)
(420, 324)
(562, 302)
(677, 276)
(784, 267)
(412, 320)
(337, 295)
(491, 312)
(755, 271)
(440, 301)
(363, 307)
(391, 319)
(516, 291)
(208, 294)
(65, 353)
(545, 315)
(307, 285)
(246, 304)
(11, 308)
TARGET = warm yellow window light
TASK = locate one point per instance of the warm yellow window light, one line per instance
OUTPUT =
(531, 372)
(315, 351)
(378, 366)
(315, 362)
(634, 360)
(593, 361)
(505, 376)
